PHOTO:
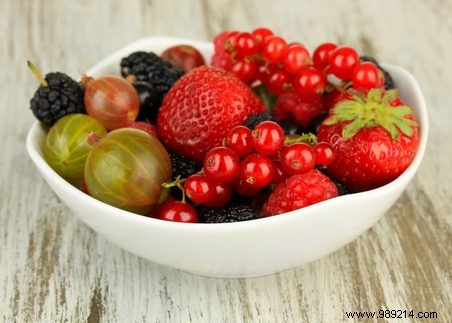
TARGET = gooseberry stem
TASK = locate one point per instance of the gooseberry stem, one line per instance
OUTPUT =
(131, 78)
(37, 73)
(85, 80)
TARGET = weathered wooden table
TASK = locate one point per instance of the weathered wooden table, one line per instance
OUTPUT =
(53, 268)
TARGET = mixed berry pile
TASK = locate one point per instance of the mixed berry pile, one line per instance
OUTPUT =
(265, 129)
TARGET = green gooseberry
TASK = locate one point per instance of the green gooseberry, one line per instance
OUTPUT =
(66, 147)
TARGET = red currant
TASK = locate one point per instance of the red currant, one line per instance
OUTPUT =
(178, 211)
(298, 158)
(280, 175)
(321, 55)
(231, 41)
(367, 76)
(220, 39)
(222, 59)
(324, 154)
(295, 58)
(264, 70)
(273, 49)
(310, 83)
(157, 210)
(221, 164)
(268, 138)
(256, 170)
(240, 140)
(279, 82)
(246, 45)
(343, 61)
(307, 111)
(244, 69)
(261, 34)
(244, 189)
(279, 113)
(221, 195)
(198, 188)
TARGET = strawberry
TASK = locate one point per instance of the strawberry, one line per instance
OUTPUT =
(374, 135)
(201, 108)
(299, 191)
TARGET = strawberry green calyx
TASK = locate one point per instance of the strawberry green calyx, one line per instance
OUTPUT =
(371, 110)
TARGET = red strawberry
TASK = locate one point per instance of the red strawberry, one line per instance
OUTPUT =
(374, 136)
(201, 108)
(299, 191)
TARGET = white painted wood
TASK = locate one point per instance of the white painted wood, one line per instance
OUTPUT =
(53, 268)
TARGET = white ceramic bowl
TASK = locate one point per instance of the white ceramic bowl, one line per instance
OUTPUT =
(243, 249)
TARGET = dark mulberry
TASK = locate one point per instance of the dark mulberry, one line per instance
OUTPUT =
(254, 119)
(60, 97)
(151, 68)
(228, 213)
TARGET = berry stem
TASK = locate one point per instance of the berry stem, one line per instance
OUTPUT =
(176, 183)
(37, 73)
(85, 80)
(131, 78)
(163, 197)
(308, 138)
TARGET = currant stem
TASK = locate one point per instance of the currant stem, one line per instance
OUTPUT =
(37, 73)
(308, 138)
(176, 183)
(163, 196)
(183, 192)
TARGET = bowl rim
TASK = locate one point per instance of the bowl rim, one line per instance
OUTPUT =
(403, 179)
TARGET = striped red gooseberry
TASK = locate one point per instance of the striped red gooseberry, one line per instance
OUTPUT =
(126, 169)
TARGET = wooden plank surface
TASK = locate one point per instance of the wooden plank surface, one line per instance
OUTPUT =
(53, 268)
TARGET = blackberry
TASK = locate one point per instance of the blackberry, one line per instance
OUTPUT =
(315, 124)
(58, 95)
(151, 68)
(228, 213)
(183, 166)
(254, 119)
(341, 188)
(389, 82)
(290, 126)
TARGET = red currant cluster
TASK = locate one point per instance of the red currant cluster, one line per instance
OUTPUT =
(281, 66)
(248, 161)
